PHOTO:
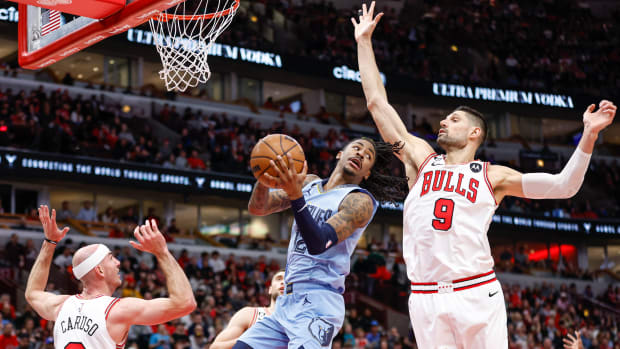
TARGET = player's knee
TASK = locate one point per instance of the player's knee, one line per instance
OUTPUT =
(241, 345)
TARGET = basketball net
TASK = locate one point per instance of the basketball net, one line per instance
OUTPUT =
(184, 35)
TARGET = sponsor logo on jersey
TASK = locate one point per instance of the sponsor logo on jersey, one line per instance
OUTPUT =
(475, 167)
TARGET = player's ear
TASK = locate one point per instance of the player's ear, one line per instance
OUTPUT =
(476, 132)
(339, 155)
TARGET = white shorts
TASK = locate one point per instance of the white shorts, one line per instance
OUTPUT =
(473, 318)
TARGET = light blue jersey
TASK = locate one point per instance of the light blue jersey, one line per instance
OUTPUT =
(331, 267)
(311, 311)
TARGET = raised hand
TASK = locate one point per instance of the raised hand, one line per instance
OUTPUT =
(150, 239)
(367, 24)
(573, 342)
(288, 179)
(50, 228)
(596, 121)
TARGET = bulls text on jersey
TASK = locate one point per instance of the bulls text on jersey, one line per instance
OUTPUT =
(448, 181)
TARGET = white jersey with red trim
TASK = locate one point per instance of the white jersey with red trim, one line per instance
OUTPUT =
(446, 218)
(259, 314)
(81, 323)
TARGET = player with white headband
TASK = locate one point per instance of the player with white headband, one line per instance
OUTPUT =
(95, 319)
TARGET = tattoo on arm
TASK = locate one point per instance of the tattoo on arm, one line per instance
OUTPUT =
(355, 211)
(274, 201)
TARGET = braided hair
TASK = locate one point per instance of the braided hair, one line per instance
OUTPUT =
(382, 183)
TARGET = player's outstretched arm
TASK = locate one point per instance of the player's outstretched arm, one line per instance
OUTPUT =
(238, 324)
(264, 201)
(46, 304)
(389, 123)
(567, 183)
(181, 301)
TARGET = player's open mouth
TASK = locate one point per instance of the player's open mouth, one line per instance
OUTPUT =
(356, 163)
(442, 131)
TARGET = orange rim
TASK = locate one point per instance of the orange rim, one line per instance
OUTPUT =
(165, 17)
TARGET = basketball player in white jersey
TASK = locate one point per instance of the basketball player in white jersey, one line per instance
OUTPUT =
(94, 319)
(456, 301)
(248, 316)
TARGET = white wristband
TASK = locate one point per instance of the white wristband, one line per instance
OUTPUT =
(92, 261)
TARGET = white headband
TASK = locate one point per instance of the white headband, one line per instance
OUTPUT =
(92, 261)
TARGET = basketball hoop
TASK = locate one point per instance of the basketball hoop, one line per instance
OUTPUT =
(183, 36)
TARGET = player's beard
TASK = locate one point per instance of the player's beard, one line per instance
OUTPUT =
(446, 142)
(348, 172)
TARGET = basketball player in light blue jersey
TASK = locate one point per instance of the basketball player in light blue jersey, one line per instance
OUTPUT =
(330, 217)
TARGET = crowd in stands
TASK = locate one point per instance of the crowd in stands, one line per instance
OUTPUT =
(537, 317)
(550, 45)
(55, 122)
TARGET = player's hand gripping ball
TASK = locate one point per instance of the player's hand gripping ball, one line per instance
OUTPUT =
(267, 149)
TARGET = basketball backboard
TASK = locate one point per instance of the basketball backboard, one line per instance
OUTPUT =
(50, 30)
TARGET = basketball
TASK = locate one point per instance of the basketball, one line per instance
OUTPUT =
(269, 147)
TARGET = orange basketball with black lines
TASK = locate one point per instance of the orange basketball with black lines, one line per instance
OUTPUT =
(269, 147)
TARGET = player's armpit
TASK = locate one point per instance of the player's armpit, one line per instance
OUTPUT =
(355, 211)
(238, 324)
(46, 304)
(505, 181)
(135, 311)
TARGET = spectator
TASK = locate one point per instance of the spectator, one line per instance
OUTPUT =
(374, 336)
(64, 213)
(216, 263)
(65, 259)
(195, 162)
(87, 213)
(13, 250)
(8, 339)
(198, 339)
(109, 216)
(160, 339)
(130, 217)
(172, 227)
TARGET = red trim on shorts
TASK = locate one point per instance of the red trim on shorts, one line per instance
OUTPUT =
(474, 285)
(473, 277)
(423, 283)
(454, 282)
(110, 306)
(486, 179)
(428, 158)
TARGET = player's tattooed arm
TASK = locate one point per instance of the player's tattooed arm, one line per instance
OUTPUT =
(264, 202)
(355, 211)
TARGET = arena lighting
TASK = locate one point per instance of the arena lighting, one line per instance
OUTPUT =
(3, 128)
(568, 251)
(540, 163)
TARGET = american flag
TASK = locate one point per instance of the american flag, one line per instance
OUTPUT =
(50, 21)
